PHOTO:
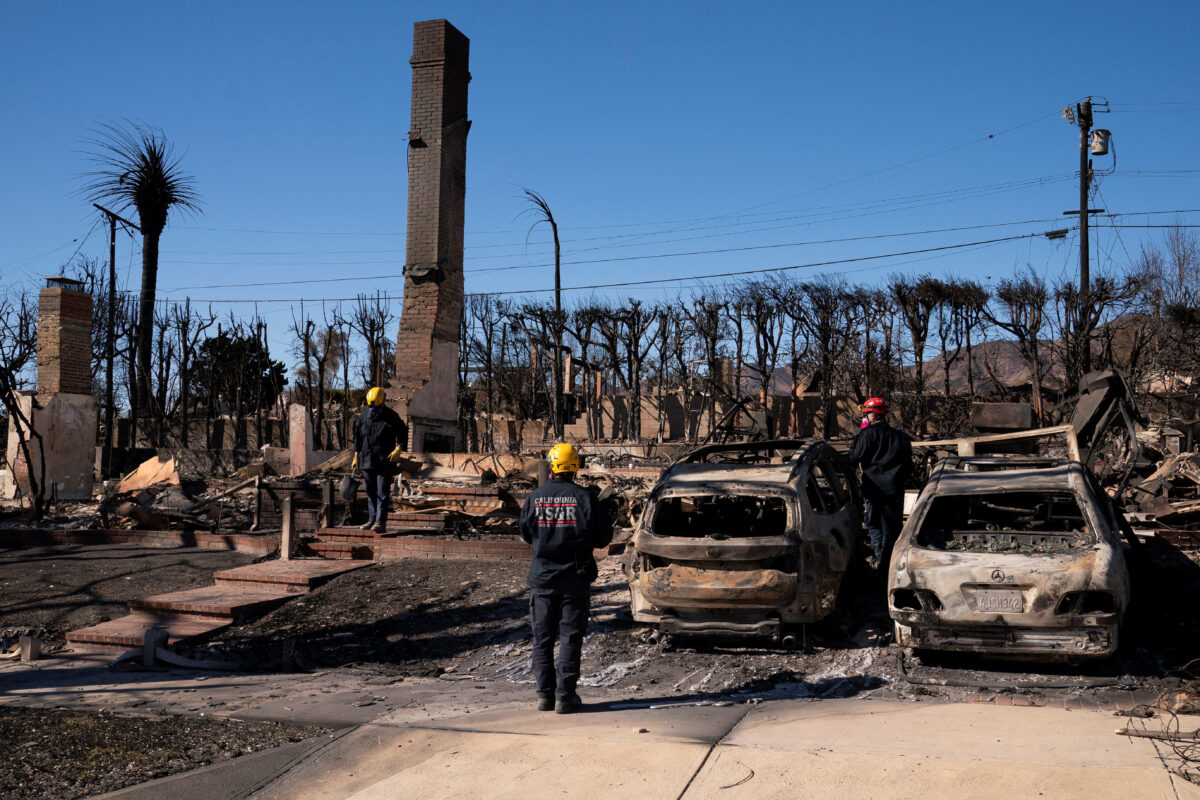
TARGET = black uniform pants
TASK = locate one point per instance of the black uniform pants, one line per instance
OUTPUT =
(885, 514)
(562, 616)
(379, 489)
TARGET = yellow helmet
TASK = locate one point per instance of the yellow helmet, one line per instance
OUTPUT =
(375, 396)
(563, 458)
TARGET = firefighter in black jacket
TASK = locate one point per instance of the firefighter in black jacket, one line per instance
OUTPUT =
(564, 522)
(379, 438)
(885, 455)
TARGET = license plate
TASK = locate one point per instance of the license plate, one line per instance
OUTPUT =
(1002, 600)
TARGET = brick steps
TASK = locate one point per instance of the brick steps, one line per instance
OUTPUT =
(296, 576)
(192, 614)
(357, 550)
(226, 601)
(127, 632)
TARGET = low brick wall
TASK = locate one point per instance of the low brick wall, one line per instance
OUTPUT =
(430, 547)
(254, 544)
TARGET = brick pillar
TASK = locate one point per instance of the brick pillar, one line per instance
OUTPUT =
(425, 389)
(64, 347)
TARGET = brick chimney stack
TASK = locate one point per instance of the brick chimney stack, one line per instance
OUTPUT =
(426, 385)
(64, 346)
(63, 410)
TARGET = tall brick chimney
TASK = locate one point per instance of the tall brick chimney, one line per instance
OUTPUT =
(425, 389)
(63, 410)
(64, 347)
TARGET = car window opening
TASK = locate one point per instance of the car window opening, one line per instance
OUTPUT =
(721, 516)
(1029, 522)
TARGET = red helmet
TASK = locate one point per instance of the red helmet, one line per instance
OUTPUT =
(876, 404)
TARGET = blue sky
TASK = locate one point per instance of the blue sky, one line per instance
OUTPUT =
(653, 130)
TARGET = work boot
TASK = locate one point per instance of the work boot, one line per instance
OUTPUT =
(545, 702)
(568, 705)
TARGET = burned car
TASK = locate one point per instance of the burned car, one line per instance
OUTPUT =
(1010, 555)
(744, 540)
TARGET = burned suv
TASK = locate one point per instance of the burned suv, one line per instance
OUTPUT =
(744, 539)
(1010, 555)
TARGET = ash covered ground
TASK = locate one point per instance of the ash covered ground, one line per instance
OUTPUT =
(468, 620)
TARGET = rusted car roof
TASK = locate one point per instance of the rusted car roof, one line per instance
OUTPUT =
(1065, 474)
(696, 474)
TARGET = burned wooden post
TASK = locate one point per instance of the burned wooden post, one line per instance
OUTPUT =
(287, 536)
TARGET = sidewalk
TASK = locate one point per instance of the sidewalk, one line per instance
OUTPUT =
(785, 749)
(469, 739)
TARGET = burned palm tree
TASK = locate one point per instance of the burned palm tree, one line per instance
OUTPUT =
(138, 167)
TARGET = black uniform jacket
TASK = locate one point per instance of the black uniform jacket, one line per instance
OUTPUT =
(376, 433)
(564, 522)
(885, 454)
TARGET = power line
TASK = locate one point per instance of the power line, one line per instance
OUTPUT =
(907, 163)
(766, 270)
(628, 258)
(718, 251)
(27, 259)
(946, 196)
(91, 230)
(769, 270)
(987, 188)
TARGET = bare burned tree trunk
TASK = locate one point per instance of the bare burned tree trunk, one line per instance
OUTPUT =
(735, 313)
(916, 301)
(625, 338)
(538, 321)
(705, 317)
(162, 378)
(1023, 314)
(792, 304)
(370, 319)
(129, 354)
(972, 301)
(582, 327)
(236, 391)
(344, 424)
(668, 334)
(945, 324)
(831, 323)
(766, 318)
(18, 360)
(189, 328)
(260, 349)
(486, 314)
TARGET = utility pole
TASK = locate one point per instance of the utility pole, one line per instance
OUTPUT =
(559, 420)
(109, 344)
(1082, 115)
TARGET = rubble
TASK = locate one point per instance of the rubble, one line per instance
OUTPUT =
(151, 472)
(1171, 494)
